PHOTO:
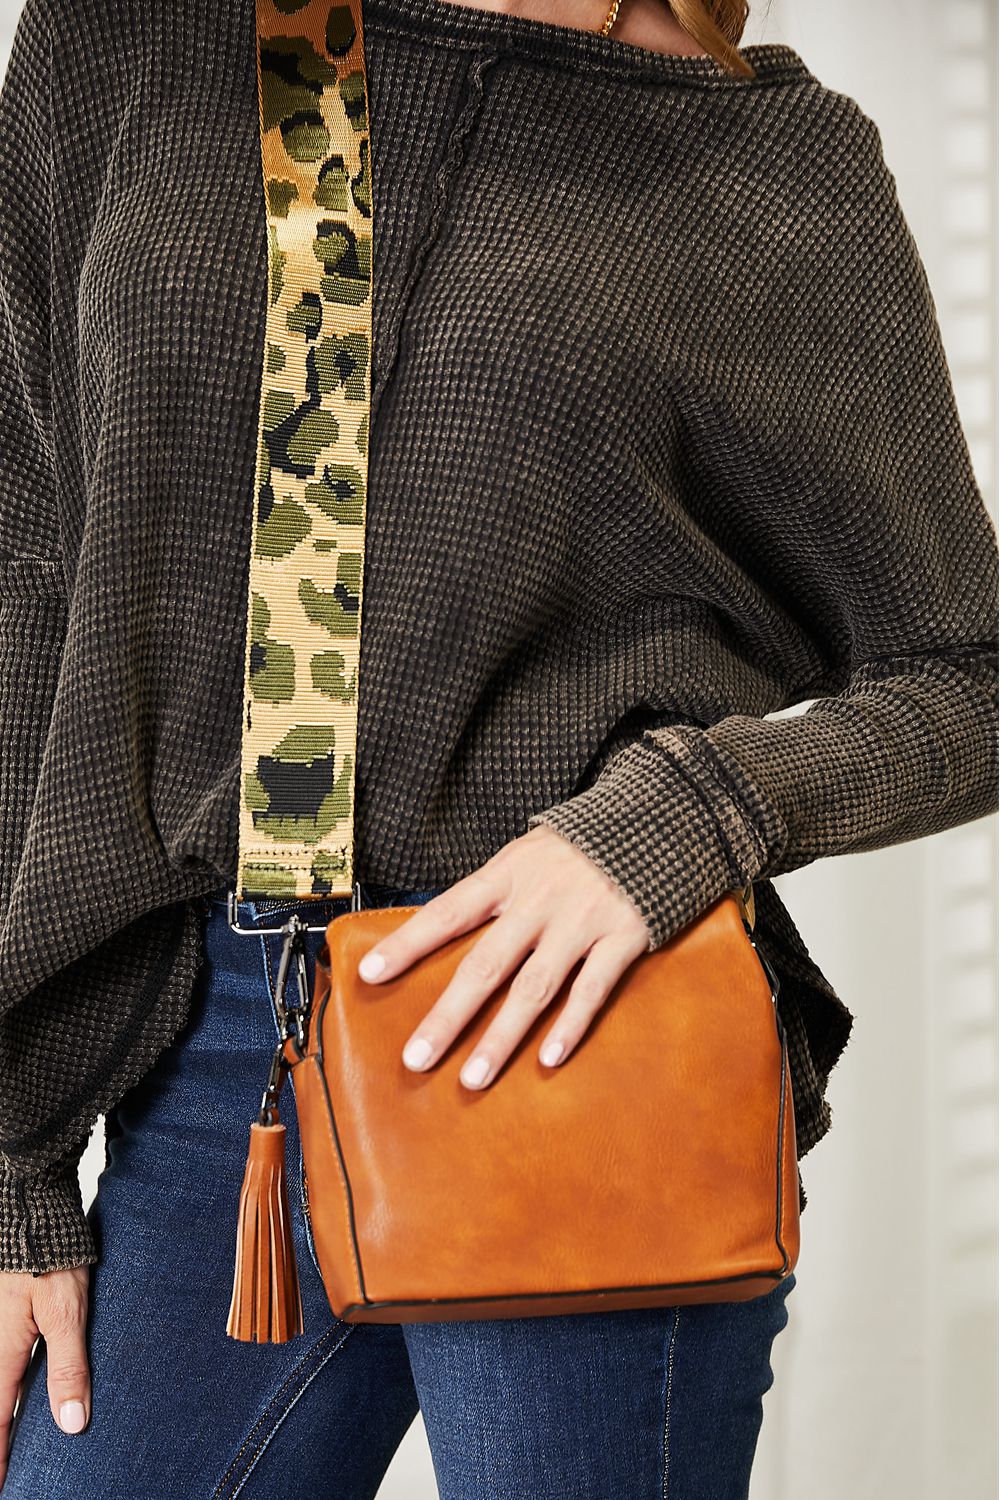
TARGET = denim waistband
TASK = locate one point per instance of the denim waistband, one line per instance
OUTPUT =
(321, 908)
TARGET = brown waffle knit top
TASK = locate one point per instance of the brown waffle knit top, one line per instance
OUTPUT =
(663, 441)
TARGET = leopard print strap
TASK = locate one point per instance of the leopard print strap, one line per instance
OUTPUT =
(307, 552)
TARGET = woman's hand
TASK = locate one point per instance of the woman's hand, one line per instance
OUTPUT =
(553, 906)
(55, 1306)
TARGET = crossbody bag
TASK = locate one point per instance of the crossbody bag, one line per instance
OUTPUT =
(657, 1165)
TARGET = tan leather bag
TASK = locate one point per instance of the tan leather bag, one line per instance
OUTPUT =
(656, 1165)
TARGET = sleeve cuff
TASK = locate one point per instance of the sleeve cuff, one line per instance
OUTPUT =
(673, 824)
(43, 1226)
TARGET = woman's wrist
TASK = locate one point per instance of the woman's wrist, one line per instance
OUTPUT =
(667, 829)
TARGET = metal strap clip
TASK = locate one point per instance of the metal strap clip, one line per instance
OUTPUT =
(744, 898)
(291, 1018)
(234, 916)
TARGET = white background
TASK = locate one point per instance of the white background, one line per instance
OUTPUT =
(885, 1379)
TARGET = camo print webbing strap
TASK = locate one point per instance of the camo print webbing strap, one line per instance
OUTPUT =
(307, 557)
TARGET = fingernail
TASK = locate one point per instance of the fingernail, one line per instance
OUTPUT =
(417, 1052)
(72, 1416)
(551, 1053)
(474, 1072)
(371, 965)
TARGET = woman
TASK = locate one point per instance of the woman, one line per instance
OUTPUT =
(662, 440)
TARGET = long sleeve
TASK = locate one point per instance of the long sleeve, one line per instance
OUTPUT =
(832, 462)
(41, 1215)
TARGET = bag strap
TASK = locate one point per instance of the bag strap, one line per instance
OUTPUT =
(303, 635)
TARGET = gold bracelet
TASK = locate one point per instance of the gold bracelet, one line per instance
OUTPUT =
(609, 19)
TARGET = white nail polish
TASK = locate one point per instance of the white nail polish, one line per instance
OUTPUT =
(417, 1052)
(72, 1416)
(475, 1071)
(371, 965)
(551, 1053)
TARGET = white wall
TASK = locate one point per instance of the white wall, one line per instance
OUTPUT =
(886, 1379)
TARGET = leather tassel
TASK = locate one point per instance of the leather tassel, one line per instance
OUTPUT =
(266, 1306)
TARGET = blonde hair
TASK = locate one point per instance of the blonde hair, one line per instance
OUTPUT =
(717, 26)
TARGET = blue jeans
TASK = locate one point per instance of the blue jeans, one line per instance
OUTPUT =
(639, 1404)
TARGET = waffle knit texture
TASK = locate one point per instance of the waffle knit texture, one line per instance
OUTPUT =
(663, 441)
